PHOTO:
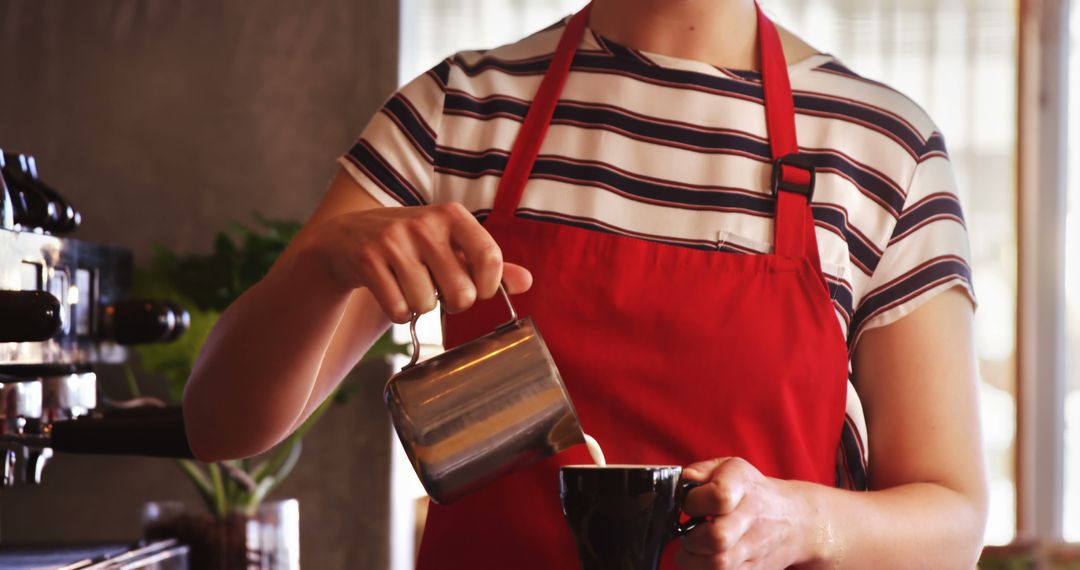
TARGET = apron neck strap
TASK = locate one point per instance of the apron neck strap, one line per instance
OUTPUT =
(792, 176)
(527, 144)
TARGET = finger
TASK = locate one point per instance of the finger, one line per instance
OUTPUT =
(452, 279)
(702, 470)
(412, 276)
(722, 534)
(724, 490)
(380, 281)
(516, 278)
(482, 253)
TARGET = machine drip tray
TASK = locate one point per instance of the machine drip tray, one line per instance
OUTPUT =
(160, 555)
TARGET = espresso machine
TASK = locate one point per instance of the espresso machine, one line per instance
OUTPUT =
(64, 312)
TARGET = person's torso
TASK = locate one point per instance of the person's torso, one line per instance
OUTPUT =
(671, 354)
(675, 151)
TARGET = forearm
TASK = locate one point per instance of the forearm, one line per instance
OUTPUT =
(363, 323)
(916, 525)
(258, 367)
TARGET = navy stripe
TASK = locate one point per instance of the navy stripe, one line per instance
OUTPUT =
(610, 118)
(931, 207)
(876, 186)
(532, 66)
(379, 171)
(670, 133)
(458, 102)
(804, 102)
(410, 122)
(470, 165)
(615, 48)
(745, 74)
(834, 108)
(863, 252)
(651, 191)
(661, 132)
(854, 470)
(657, 192)
(441, 72)
(934, 271)
(836, 66)
(936, 144)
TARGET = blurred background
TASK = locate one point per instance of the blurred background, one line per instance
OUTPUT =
(165, 121)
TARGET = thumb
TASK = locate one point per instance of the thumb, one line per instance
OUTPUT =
(703, 470)
(516, 278)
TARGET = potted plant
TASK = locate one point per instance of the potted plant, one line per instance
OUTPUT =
(233, 491)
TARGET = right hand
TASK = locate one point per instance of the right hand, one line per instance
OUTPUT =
(403, 255)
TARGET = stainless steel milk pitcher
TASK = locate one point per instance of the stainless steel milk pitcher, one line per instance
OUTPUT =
(482, 409)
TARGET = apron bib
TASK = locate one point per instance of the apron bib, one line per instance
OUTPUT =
(671, 355)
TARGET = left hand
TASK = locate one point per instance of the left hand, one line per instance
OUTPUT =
(756, 521)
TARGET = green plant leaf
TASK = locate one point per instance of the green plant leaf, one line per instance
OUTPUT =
(218, 486)
(199, 480)
(270, 481)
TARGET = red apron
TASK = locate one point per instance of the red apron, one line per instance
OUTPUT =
(671, 355)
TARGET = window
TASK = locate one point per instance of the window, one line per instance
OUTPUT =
(434, 29)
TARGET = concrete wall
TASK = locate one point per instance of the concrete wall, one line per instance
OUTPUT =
(162, 122)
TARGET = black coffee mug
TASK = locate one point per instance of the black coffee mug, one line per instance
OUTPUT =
(622, 516)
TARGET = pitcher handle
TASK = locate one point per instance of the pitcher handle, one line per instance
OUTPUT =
(415, 316)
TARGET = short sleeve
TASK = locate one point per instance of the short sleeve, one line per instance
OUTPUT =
(394, 158)
(928, 252)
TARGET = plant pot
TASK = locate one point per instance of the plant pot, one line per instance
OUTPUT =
(266, 540)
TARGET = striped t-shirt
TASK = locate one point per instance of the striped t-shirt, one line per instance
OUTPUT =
(675, 151)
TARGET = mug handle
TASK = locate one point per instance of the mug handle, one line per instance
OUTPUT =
(415, 316)
(682, 529)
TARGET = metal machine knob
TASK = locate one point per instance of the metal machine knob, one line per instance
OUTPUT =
(33, 209)
(67, 218)
(142, 322)
(29, 316)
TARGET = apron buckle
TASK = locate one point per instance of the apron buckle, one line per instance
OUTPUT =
(794, 173)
